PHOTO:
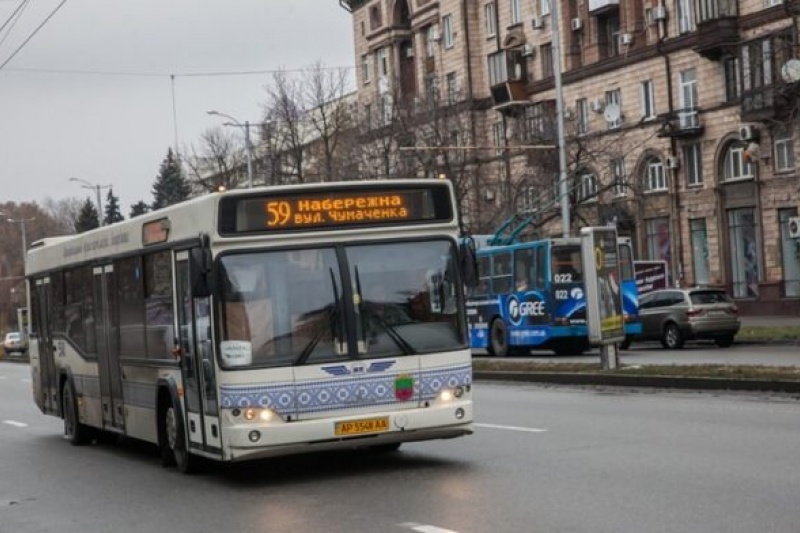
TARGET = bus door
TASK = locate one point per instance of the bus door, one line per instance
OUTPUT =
(107, 338)
(197, 361)
(47, 397)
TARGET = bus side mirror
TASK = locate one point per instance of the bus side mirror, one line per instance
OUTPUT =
(200, 272)
(468, 262)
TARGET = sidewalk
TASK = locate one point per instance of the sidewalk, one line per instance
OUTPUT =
(770, 321)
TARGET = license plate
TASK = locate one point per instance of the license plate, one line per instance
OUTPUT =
(357, 427)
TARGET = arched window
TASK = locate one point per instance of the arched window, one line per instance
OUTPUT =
(735, 164)
(654, 178)
(587, 187)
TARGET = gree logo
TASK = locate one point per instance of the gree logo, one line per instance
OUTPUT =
(518, 310)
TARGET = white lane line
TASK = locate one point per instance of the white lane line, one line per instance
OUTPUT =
(511, 428)
(422, 528)
(15, 423)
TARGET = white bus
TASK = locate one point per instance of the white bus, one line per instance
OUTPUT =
(259, 322)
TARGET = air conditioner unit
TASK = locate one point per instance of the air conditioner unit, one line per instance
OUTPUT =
(794, 227)
(538, 23)
(672, 162)
(597, 105)
(410, 52)
(748, 132)
(528, 50)
(576, 24)
(626, 39)
(434, 33)
(658, 13)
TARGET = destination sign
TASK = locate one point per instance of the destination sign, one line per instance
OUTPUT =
(334, 208)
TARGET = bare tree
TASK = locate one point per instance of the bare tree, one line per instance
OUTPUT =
(285, 116)
(64, 214)
(221, 161)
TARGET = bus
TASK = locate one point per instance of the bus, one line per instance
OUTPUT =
(530, 295)
(259, 322)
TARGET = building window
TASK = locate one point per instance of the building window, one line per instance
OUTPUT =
(383, 62)
(375, 17)
(791, 255)
(744, 252)
(730, 66)
(516, 17)
(387, 109)
(693, 162)
(490, 20)
(431, 38)
(648, 100)
(452, 89)
(587, 188)
(685, 16)
(546, 53)
(618, 176)
(614, 97)
(499, 136)
(699, 235)
(544, 7)
(582, 110)
(688, 116)
(447, 25)
(654, 178)
(736, 167)
(608, 35)
(497, 69)
(365, 68)
(368, 116)
(784, 148)
(659, 240)
(432, 88)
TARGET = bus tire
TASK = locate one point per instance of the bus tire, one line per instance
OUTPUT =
(498, 338)
(174, 443)
(75, 432)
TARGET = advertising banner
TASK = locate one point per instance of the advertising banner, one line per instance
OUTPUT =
(604, 315)
(651, 276)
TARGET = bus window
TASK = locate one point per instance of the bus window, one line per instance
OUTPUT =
(501, 273)
(567, 265)
(485, 276)
(540, 279)
(524, 269)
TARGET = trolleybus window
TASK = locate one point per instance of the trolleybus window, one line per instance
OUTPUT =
(567, 264)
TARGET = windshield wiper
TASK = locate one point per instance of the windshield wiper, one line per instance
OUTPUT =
(391, 331)
(330, 316)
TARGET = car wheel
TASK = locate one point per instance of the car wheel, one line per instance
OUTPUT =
(175, 443)
(672, 337)
(75, 432)
(498, 340)
(725, 341)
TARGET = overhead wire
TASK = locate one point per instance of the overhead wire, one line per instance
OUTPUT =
(33, 34)
(13, 15)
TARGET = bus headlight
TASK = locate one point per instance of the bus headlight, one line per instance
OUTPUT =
(262, 415)
(448, 395)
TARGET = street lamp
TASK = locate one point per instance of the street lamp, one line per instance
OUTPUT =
(21, 222)
(92, 186)
(247, 143)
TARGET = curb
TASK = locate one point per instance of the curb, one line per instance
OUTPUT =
(664, 382)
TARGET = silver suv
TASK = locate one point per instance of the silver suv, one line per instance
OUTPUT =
(674, 316)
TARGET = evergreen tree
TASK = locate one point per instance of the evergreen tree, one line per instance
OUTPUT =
(113, 214)
(139, 208)
(170, 187)
(88, 217)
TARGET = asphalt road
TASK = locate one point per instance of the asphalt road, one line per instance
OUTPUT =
(543, 459)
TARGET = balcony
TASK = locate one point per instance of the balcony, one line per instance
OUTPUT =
(509, 94)
(681, 124)
(771, 102)
(717, 28)
(597, 7)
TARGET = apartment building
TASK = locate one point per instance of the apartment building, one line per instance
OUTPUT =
(680, 120)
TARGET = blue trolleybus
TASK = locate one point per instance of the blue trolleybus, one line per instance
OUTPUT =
(531, 296)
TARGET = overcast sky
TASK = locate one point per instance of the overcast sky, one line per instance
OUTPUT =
(116, 128)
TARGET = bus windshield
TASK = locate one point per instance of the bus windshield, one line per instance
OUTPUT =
(288, 307)
(567, 264)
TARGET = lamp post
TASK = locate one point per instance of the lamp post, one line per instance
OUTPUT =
(96, 188)
(248, 145)
(21, 222)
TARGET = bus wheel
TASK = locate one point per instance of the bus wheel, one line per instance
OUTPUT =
(174, 443)
(498, 340)
(75, 432)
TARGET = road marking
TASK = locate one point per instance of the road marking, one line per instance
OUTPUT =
(15, 423)
(511, 428)
(422, 528)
